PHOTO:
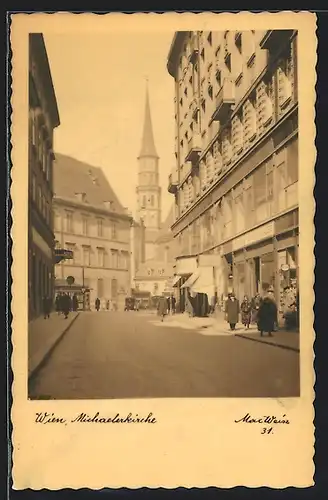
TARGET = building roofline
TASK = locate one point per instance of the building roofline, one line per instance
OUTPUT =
(37, 40)
(61, 200)
(173, 56)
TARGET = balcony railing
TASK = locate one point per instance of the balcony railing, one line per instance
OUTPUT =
(274, 39)
(225, 100)
(173, 182)
(194, 148)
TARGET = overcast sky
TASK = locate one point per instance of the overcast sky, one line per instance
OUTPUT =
(100, 83)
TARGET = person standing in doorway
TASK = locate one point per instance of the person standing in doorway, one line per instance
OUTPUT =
(97, 304)
(232, 311)
(246, 312)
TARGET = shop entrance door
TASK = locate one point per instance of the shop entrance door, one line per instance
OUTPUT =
(267, 271)
(257, 269)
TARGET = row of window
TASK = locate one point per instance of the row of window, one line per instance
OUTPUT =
(84, 224)
(269, 190)
(102, 291)
(100, 257)
(247, 127)
(271, 99)
(227, 59)
(273, 96)
(40, 143)
(40, 200)
(243, 41)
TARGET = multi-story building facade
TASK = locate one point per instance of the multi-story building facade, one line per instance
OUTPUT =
(236, 177)
(148, 190)
(43, 119)
(89, 220)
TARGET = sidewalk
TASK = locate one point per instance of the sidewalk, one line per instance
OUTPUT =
(282, 338)
(43, 336)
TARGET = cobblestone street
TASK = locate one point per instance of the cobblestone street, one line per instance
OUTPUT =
(134, 355)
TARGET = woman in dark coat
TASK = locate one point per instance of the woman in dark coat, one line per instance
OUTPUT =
(162, 307)
(246, 312)
(256, 302)
(232, 311)
(66, 304)
(267, 316)
(46, 305)
(58, 303)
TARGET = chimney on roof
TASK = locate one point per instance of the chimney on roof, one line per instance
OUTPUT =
(81, 197)
(108, 204)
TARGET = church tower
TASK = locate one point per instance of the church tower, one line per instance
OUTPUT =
(148, 189)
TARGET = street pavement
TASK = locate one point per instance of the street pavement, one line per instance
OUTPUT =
(134, 355)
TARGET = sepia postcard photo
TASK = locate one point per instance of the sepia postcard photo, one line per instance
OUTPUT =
(163, 235)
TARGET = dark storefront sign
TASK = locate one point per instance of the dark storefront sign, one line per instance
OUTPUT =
(62, 254)
(261, 249)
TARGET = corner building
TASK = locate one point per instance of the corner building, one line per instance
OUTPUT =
(236, 145)
(43, 118)
(89, 221)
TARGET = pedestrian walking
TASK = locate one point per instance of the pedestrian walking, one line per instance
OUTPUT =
(267, 315)
(46, 306)
(97, 304)
(107, 305)
(256, 302)
(162, 307)
(246, 312)
(58, 303)
(173, 304)
(232, 311)
(66, 304)
(168, 304)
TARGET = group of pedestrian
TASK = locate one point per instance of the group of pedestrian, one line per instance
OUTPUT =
(65, 303)
(108, 305)
(166, 305)
(260, 310)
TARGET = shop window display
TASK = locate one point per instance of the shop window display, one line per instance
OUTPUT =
(267, 271)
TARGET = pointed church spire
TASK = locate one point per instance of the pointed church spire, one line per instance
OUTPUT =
(148, 144)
